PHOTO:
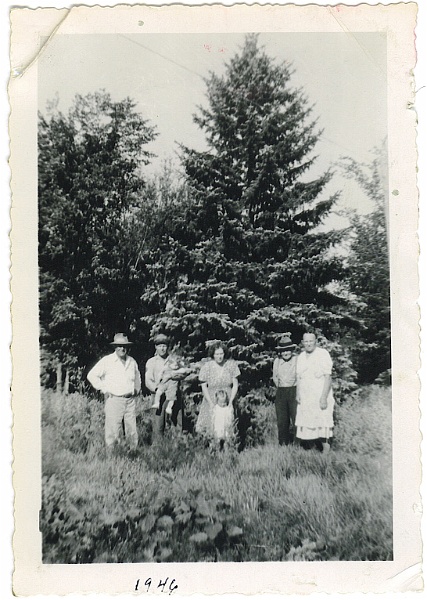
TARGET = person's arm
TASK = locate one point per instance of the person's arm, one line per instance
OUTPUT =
(179, 374)
(206, 394)
(297, 396)
(234, 389)
(137, 382)
(235, 373)
(96, 376)
(149, 376)
(325, 392)
(326, 366)
(275, 375)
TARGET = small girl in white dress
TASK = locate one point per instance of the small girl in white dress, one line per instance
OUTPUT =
(222, 417)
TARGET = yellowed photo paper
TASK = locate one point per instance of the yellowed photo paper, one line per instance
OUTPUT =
(215, 321)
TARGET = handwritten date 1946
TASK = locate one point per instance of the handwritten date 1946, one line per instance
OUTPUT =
(163, 585)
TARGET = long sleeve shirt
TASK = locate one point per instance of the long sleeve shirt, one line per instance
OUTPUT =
(285, 372)
(112, 375)
(153, 372)
(158, 372)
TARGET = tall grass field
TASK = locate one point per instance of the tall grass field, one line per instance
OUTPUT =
(185, 501)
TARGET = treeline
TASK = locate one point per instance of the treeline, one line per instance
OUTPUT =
(230, 250)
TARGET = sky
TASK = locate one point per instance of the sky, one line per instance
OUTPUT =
(343, 76)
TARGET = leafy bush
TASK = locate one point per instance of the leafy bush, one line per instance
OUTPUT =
(343, 374)
(159, 525)
(255, 423)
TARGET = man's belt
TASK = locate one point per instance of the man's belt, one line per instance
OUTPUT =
(123, 395)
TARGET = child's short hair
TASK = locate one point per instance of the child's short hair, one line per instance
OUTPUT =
(176, 358)
(221, 396)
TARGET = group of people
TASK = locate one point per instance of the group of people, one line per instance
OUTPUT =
(304, 400)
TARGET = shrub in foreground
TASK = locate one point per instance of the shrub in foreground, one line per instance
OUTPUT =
(157, 525)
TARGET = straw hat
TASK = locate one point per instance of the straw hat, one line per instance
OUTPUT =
(120, 339)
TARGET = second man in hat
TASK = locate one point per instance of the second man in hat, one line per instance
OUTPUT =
(285, 378)
(154, 369)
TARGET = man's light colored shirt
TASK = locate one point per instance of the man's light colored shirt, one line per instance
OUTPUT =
(116, 377)
(285, 372)
(153, 371)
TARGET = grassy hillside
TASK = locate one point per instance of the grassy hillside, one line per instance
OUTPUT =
(185, 501)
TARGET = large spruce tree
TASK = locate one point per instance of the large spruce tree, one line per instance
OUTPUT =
(241, 259)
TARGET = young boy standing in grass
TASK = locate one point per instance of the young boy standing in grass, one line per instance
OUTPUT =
(284, 378)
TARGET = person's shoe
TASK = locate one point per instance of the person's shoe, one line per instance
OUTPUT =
(319, 445)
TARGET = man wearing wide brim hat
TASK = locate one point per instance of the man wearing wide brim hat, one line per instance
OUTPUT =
(285, 379)
(117, 376)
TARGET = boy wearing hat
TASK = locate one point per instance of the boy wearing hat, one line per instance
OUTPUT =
(117, 376)
(285, 378)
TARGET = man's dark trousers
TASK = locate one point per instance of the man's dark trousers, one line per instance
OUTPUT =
(286, 408)
(160, 417)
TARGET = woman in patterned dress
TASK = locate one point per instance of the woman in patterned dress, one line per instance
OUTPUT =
(219, 373)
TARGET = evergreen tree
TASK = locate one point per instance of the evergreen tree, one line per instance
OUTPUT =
(241, 259)
(90, 184)
(369, 275)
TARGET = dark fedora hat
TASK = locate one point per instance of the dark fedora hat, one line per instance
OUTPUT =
(285, 343)
(120, 339)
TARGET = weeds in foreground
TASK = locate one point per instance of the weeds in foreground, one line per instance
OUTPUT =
(149, 527)
(184, 500)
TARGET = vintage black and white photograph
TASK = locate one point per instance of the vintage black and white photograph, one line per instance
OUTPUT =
(213, 289)
(214, 298)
